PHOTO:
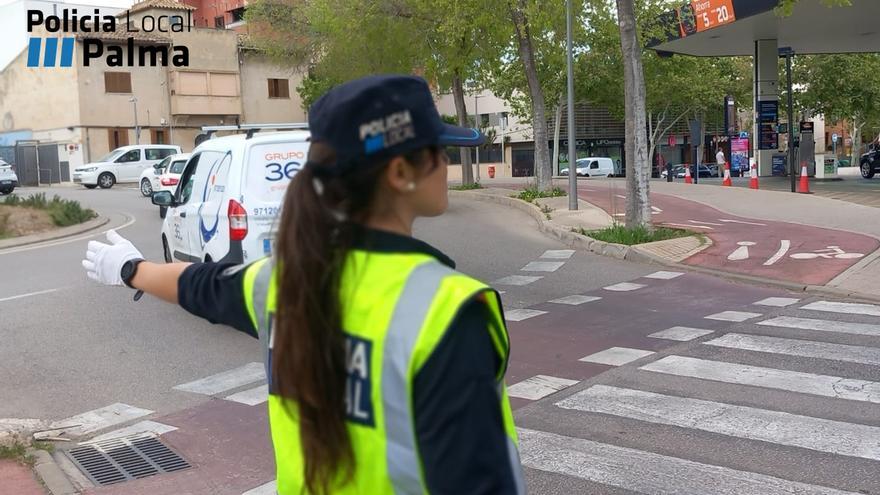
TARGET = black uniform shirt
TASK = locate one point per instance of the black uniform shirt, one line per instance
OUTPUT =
(458, 423)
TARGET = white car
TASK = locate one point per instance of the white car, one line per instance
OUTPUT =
(229, 197)
(593, 167)
(123, 164)
(163, 175)
(8, 179)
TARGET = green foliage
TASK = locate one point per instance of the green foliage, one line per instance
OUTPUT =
(466, 187)
(531, 193)
(16, 452)
(619, 234)
(785, 7)
(839, 86)
(64, 212)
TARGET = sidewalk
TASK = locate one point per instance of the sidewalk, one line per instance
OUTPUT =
(861, 277)
(18, 479)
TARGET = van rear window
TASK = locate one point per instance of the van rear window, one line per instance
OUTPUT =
(270, 168)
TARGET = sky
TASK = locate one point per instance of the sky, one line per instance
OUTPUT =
(103, 3)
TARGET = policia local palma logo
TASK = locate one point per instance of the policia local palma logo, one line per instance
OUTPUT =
(129, 55)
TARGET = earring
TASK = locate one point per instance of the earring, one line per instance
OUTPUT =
(411, 186)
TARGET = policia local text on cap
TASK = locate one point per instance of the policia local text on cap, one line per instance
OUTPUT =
(385, 365)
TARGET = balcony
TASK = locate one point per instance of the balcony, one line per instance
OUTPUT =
(205, 105)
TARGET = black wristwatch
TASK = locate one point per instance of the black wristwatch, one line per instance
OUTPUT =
(129, 268)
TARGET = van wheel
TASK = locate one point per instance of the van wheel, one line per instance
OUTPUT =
(867, 169)
(90, 186)
(146, 188)
(166, 251)
(106, 180)
(610, 176)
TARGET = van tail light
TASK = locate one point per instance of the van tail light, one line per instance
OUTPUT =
(237, 221)
(169, 181)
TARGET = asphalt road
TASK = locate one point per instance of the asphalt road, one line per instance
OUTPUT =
(83, 346)
(624, 378)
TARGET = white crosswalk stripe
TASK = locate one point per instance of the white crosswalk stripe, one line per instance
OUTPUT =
(227, 380)
(822, 325)
(778, 427)
(646, 472)
(539, 386)
(794, 381)
(682, 391)
(797, 347)
(845, 308)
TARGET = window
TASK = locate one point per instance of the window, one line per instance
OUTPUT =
(117, 82)
(177, 167)
(484, 120)
(187, 179)
(237, 14)
(220, 22)
(117, 137)
(158, 153)
(130, 156)
(503, 120)
(594, 164)
(157, 136)
(279, 88)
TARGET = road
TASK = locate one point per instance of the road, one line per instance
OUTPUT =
(625, 378)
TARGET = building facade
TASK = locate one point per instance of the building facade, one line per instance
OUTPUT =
(88, 111)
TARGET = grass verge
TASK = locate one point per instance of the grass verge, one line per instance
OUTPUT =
(619, 234)
(530, 194)
(63, 212)
(466, 187)
(16, 452)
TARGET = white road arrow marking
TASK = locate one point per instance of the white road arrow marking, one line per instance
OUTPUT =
(706, 223)
(689, 226)
(740, 221)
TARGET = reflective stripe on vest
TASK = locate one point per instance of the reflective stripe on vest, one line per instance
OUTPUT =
(408, 318)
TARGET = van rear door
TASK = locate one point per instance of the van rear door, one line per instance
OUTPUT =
(269, 169)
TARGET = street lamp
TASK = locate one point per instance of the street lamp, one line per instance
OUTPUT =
(477, 125)
(572, 143)
(137, 128)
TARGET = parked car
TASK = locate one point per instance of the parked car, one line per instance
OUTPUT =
(678, 171)
(869, 163)
(229, 197)
(123, 164)
(164, 174)
(593, 167)
(8, 179)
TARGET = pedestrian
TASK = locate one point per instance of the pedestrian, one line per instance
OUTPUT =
(720, 161)
(385, 365)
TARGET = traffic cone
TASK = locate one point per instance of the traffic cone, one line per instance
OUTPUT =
(804, 187)
(687, 175)
(727, 182)
(753, 174)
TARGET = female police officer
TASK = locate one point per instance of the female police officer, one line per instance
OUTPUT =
(385, 365)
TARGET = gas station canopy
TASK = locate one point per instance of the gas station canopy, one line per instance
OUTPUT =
(709, 28)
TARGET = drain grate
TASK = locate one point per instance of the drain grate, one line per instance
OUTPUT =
(126, 458)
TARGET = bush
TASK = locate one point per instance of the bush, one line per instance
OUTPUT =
(619, 234)
(466, 187)
(530, 194)
(64, 212)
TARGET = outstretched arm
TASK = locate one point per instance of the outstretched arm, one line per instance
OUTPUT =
(213, 291)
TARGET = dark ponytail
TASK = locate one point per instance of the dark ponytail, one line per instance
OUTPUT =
(308, 363)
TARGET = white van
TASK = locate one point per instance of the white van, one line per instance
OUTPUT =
(123, 164)
(228, 201)
(596, 167)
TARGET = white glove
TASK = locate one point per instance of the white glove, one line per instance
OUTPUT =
(104, 262)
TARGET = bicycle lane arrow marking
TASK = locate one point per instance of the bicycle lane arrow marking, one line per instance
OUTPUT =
(784, 246)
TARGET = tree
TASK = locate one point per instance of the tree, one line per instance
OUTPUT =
(638, 163)
(345, 39)
(785, 7)
(836, 87)
(675, 88)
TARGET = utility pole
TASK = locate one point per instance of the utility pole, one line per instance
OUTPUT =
(137, 128)
(791, 155)
(572, 138)
(477, 123)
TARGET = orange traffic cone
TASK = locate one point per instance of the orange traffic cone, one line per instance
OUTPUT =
(727, 181)
(687, 175)
(753, 174)
(804, 187)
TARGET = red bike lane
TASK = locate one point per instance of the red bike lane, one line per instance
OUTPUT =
(776, 250)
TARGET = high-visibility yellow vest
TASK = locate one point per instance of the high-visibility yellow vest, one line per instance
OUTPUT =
(395, 309)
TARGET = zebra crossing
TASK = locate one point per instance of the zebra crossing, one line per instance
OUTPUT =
(782, 403)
